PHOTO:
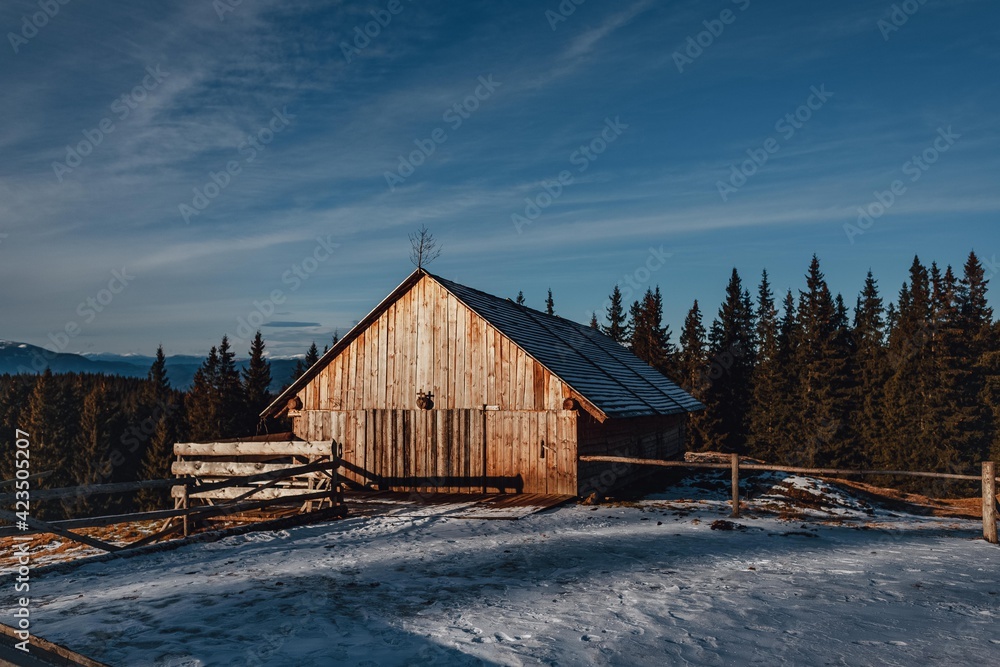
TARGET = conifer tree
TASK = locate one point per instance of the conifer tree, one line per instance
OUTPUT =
(202, 406)
(520, 298)
(692, 372)
(256, 384)
(550, 305)
(229, 393)
(159, 451)
(869, 335)
(301, 366)
(731, 364)
(100, 426)
(823, 380)
(14, 394)
(650, 339)
(910, 440)
(769, 400)
(52, 421)
(594, 324)
(617, 327)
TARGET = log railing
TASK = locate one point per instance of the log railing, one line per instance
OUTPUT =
(988, 478)
(239, 494)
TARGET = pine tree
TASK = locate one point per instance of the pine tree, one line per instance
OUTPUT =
(100, 425)
(201, 403)
(52, 421)
(594, 324)
(256, 385)
(229, 393)
(869, 335)
(520, 298)
(158, 385)
(617, 327)
(550, 305)
(304, 364)
(163, 409)
(910, 440)
(770, 395)
(15, 392)
(990, 392)
(731, 364)
(692, 371)
(963, 322)
(823, 378)
(650, 340)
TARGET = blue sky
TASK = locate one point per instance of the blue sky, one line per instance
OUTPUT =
(116, 115)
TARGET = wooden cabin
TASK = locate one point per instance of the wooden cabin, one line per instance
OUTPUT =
(445, 388)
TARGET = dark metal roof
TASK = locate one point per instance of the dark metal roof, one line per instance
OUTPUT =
(604, 373)
(607, 374)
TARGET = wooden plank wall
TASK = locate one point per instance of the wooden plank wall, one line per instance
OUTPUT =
(638, 437)
(429, 341)
(460, 451)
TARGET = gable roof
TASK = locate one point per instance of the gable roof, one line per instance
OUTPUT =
(606, 374)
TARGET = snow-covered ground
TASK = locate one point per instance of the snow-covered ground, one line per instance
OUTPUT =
(650, 583)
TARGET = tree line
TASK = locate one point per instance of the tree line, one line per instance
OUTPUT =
(909, 384)
(806, 380)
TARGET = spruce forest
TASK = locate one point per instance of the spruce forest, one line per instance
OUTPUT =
(800, 378)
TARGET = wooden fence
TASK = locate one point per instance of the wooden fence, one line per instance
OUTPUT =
(988, 479)
(220, 491)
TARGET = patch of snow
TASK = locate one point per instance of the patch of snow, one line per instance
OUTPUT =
(649, 583)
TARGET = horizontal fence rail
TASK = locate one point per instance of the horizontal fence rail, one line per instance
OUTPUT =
(988, 479)
(235, 492)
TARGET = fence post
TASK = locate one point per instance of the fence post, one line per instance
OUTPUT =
(184, 505)
(735, 459)
(989, 502)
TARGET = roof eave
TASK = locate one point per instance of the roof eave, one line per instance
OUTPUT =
(278, 403)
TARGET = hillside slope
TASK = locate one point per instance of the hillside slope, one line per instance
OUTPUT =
(667, 580)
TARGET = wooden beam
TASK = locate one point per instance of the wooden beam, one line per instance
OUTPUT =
(93, 522)
(264, 476)
(44, 527)
(47, 653)
(226, 468)
(93, 490)
(280, 448)
(825, 472)
(37, 475)
(734, 462)
(235, 492)
(989, 502)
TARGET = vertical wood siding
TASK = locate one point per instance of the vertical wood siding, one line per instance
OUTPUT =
(455, 451)
(428, 341)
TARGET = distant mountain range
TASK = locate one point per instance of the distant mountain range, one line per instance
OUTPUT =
(24, 358)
